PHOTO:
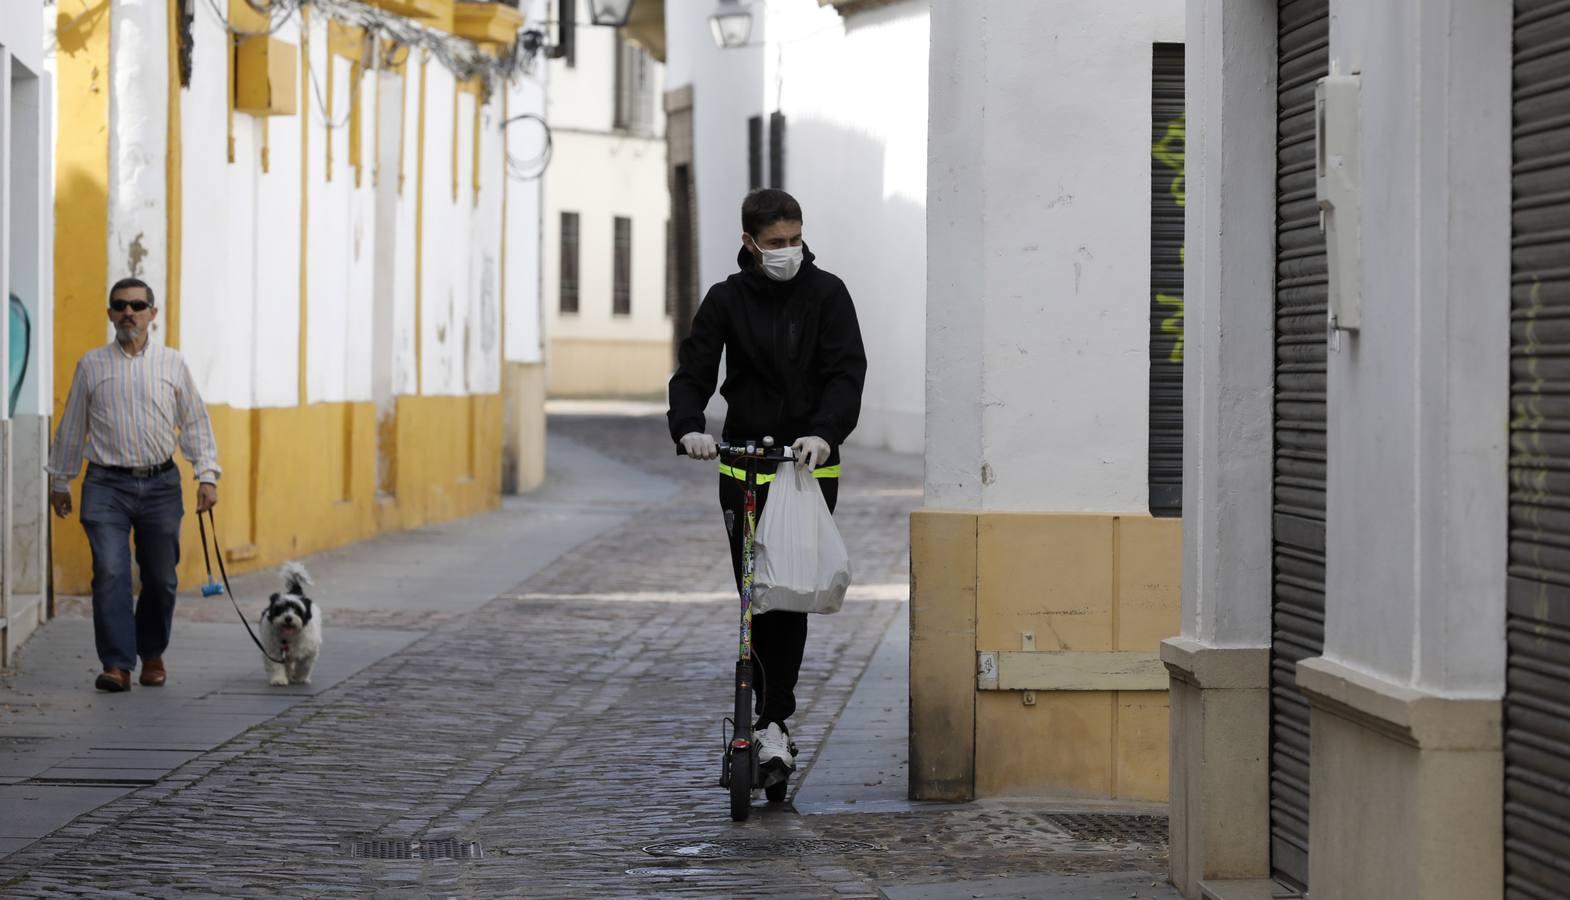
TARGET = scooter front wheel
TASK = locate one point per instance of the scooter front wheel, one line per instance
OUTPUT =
(740, 783)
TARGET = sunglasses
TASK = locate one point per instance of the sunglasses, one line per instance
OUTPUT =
(135, 305)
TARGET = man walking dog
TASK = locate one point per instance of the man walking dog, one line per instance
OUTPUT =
(794, 370)
(131, 401)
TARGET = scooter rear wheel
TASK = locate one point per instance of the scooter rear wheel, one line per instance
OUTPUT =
(740, 784)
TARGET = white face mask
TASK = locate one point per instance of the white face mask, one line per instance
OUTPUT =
(783, 264)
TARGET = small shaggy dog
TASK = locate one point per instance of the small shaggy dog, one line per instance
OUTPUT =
(292, 630)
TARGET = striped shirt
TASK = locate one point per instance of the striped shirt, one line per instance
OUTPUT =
(125, 410)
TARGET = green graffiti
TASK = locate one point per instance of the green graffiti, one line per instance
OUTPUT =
(1173, 324)
(1169, 151)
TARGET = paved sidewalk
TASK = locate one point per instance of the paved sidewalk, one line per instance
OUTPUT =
(558, 705)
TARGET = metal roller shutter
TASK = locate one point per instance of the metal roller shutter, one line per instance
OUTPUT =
(1298, 596)
(1166, 281)
(1537, 694)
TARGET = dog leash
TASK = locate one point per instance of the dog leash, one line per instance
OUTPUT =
(201, 526)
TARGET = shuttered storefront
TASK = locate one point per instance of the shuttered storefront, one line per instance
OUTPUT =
(1166, 281)
(1537, 694)
(1298, 595)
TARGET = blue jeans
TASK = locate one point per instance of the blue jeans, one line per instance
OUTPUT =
(114, 505)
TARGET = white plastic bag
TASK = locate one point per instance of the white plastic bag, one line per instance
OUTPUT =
(801, 563)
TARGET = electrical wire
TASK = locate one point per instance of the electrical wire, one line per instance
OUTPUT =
(531, 169)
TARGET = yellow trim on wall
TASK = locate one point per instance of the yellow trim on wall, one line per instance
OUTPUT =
(267, 144)
(419, 235)
(457, 91)
(81, 189)
(501, 257)
(229, 95)
(172, 183)
(327, 139)
(305, 192)
(356, 72)
(474, 164)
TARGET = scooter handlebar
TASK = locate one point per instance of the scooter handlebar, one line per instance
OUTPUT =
(751, 450)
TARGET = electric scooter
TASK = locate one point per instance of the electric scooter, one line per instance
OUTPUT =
(739, 770)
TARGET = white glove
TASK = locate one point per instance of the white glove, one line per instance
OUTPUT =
(699, 445)
(811, 452)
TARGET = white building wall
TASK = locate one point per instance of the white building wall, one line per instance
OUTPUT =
(524, 141)
(1418, 399)
(854, 93)
(601, 173)
(240, 277)
(1054, 190)
(600, 177)
(138, 146)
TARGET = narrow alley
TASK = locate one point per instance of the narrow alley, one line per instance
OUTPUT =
(537, 692)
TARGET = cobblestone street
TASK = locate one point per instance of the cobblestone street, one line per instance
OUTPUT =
(565, 725)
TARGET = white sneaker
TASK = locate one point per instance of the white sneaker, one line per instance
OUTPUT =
(775, 748)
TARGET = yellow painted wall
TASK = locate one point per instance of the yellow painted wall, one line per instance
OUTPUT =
(300, 480)
(589, 367)
(81, 212)
(1073, 582)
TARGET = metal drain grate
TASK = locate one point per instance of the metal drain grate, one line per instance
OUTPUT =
(756, 848)
(1106, 828)
(436, 849)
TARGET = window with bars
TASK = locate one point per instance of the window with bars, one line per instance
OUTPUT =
(621, 290)
(569, 262)
(634, 108)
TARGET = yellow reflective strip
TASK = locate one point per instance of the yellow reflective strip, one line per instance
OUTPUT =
(741, 474)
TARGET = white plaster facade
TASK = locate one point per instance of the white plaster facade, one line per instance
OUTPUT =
(1038, 235)
(601, 172)
(240, 341)
(26, 205)
(853, 88)
(1416, 530)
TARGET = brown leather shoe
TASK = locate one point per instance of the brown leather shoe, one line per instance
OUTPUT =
(153, 674)
(113, 680)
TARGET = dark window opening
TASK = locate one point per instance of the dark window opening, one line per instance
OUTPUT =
(755, 152)
(569, 262)
(777, 151)
(621, 291)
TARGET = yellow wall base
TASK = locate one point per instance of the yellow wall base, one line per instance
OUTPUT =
(596, 368)
(989, 582)
(299, 480)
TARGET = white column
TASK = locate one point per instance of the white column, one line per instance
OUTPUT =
(1229, 328)
(1416, 536)
(138, 144)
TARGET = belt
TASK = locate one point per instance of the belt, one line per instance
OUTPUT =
(138, 471)
(740, 473)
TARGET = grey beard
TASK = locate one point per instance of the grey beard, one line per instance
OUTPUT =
(127, 335)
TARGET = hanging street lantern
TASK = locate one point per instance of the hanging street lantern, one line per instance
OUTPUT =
(610, 12)
(731, 24)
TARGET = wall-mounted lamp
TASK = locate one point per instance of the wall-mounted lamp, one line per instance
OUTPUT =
(731, 24)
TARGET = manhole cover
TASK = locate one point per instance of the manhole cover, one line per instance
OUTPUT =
(436, 849)
(757, 848)
(1103, 828)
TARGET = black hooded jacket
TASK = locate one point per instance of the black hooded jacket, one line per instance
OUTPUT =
(794, 363)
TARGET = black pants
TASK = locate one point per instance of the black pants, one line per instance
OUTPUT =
(778, 638)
